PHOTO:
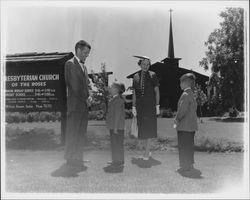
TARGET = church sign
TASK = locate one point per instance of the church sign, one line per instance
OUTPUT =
(33, 92)
(35, 82)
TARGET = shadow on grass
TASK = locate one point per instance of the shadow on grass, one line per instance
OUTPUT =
(194, 174)
(113, 169)
(145, 163)
(68, 171)
(35, 139)
(228, 119)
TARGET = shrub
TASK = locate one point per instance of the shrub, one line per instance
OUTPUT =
(58, 116)
(16, 117)
(128, 114)
(9, 118)
(42, 117)
(23, 117)
(217, 145)
(167, 113)
(30, 117)
(36, 116)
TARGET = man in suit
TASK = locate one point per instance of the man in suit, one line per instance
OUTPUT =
(78, 101)
(186, 125)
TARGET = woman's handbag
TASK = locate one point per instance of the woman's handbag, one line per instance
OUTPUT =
(134, 128)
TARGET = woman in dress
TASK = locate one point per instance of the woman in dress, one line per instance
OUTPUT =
(146, 97)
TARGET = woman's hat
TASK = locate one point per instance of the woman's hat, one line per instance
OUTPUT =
(142, 57)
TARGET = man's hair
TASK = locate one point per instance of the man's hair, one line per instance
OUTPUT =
(81, 44)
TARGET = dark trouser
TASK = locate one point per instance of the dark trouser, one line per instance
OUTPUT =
(76, 131)
(117, 146)
(186, 149)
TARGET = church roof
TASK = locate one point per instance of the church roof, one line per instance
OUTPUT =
(37, 57)
(161, 68)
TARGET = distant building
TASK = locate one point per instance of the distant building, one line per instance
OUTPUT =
(169, 72)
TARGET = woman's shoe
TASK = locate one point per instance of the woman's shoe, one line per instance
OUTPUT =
(145, 158)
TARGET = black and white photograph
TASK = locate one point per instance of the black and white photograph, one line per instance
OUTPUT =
(124, 99)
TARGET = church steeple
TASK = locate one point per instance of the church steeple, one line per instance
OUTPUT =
(170, 41)
(171, 61)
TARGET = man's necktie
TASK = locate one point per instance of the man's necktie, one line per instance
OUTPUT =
(84, 69)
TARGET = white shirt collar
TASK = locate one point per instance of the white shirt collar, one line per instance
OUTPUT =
(187, 89)
(78, 60)
(115, 95)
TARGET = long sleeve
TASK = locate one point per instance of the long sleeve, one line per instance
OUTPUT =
(72, 80)
(183, 107)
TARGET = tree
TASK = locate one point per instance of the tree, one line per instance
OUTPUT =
(226, 56)
(101, 94)
(201, 99)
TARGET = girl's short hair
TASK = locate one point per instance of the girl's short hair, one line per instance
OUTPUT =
(120, 87)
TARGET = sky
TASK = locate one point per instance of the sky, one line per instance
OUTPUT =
(115, 30)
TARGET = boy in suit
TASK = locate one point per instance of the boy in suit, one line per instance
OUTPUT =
(186, 124)
(116, 124)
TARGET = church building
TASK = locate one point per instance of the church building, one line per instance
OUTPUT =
(169, 72)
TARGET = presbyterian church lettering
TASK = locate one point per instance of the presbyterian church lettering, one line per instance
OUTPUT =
(31, 80)
(35, 91)
(41, 77)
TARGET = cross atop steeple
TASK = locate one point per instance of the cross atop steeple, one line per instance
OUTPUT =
(171, 60)
(171, 41)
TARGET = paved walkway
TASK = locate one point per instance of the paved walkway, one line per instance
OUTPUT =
(30, 171)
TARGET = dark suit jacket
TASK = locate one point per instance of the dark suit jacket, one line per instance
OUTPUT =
(115, 118)
(77, 87)
(186, 114)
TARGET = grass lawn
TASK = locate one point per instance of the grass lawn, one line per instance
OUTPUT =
(233, 131)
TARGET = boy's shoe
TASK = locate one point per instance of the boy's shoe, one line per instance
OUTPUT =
(117, 163)
(191, 172)
(184, 169)
(114, 169)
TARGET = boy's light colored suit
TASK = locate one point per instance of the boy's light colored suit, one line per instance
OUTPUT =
(186, 116)
(186, 119)
(77, 118)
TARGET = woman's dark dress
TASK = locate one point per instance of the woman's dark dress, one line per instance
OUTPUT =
(144, 85)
